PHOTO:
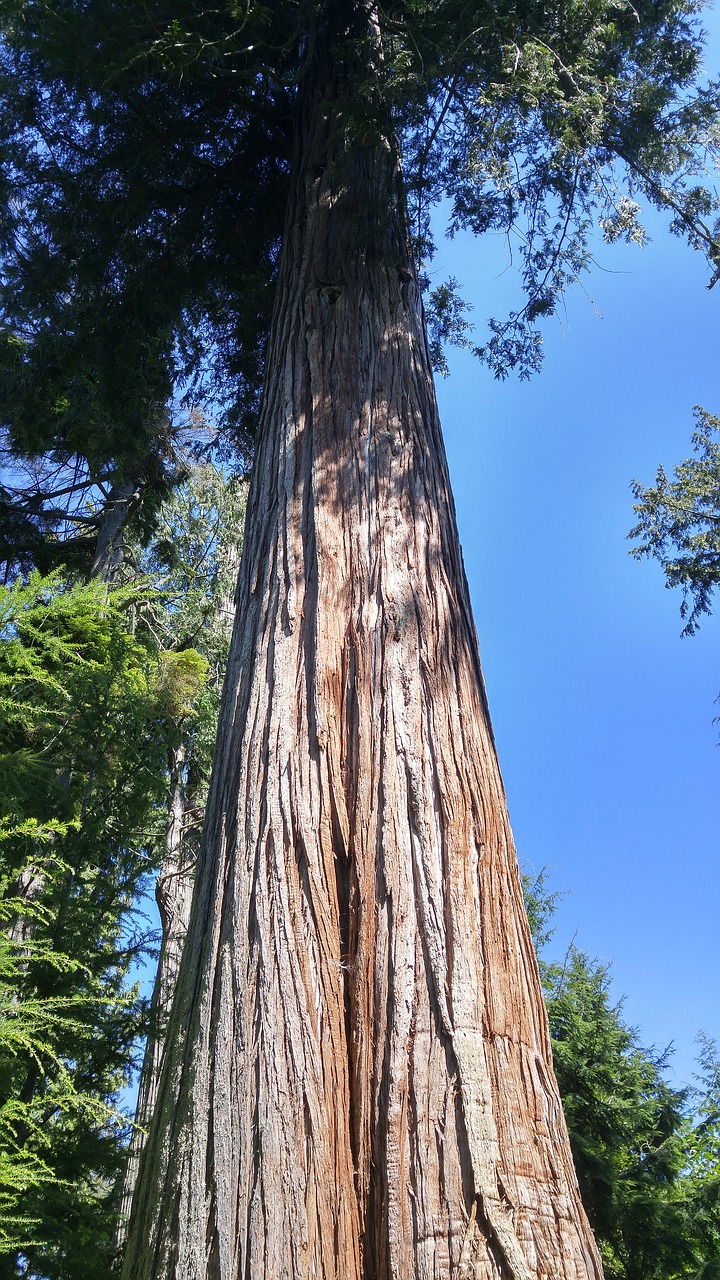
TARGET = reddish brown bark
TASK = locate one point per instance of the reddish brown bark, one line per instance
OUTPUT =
(358, 1079)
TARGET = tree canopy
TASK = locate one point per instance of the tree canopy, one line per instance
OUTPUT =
(145, 151)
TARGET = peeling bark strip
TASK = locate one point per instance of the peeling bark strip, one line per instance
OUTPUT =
(357, 1081)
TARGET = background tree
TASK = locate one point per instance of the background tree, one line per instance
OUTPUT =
(83, 737)
(77, 510)
(702, 1170)
(161, 711)
(627, 1126)
(679, 522)
(646, 1152)
(192, 561)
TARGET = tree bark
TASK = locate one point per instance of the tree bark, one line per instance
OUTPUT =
(173, 892)
(174, 888)
(358, 1077)
(125, 497)
(28, 887)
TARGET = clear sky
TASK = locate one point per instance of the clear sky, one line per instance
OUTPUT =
(603, 715)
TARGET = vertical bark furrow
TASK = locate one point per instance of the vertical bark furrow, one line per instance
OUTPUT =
(359, 1085)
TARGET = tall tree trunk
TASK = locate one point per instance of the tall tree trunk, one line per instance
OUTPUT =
(28, 887)
(358, 1078)
(173, 892)
(125, 497)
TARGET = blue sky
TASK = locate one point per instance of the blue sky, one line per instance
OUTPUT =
(603, 714)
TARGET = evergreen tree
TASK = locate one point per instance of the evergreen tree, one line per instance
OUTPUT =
(178, 601)
(702, 1169)
(626, 1126)
(357, 1075)
(192, 561)
(647, 1153)
(86, 713)
(679, 522)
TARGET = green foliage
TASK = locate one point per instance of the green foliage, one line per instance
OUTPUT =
(702, 1171)
(540, 905)
(647, 1154)
(144, 241)
(446, 322)
(87, 712)
(679, 522)
(145, 152)
(625, 1123)
(547, 120)
(192, 561)
(182, 678)
(27, 1029)
(70, 1131)
(99, 689)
